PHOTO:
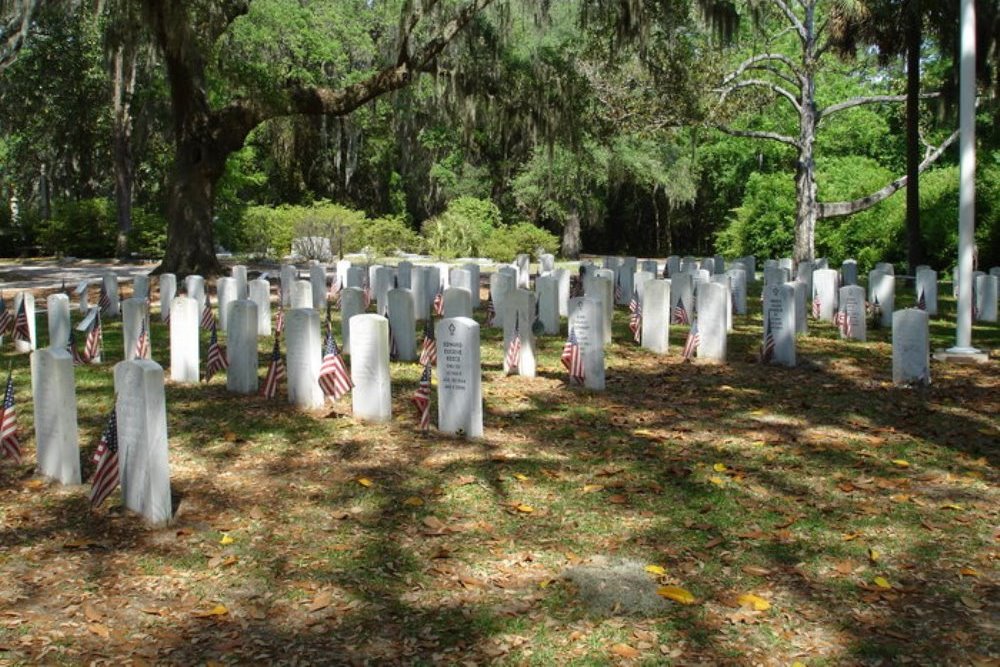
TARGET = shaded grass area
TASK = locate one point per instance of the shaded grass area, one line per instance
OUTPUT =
(314, 537)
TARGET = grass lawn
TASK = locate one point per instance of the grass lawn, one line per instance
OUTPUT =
(865, 516)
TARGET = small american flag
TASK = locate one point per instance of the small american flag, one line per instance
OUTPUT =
(491, 311)
(635, 318)
(9, 440)
(875, 313)
(6, 318)
(216, 359)
(767, 349)
(513, 356)
(572, 359)
(680, 313)
(429, 351)
(922, 301)
(106, 476)
(21, 329)
(366, 293)
(691, 344)
(439, 303)
(844, 324)
(92, 346)
(618, 291)
(104, 301)
(334, 379)
(142, 343)
(817, 307)
(422, 399)
(207, 316)
(275, 371)
(334, 293)
(279, 319)
(78, 359)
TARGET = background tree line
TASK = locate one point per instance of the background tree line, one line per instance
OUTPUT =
(629, 127)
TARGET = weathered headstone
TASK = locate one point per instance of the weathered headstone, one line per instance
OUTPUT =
(501, 285)
(586, 321)
(656, 310)
(442, 270)
(135, 319)
(601, 288)
(750, 263)
(547, 262)
(779, 324)
(804, 272)
(720, 264)
(457, 302)
(986, 294)
(626, 278)
(882, 287)
(460, 392)
(776, 275)
(886, 267)
(926, 287)
(547, 293)
(83, 292)
(673, 266)
(821, 263)
(786, 263)
(58, 319)
(241, 347)
(650, 266)
(523, 264)
(724, 281)
(419, 285)
(302, 294)
(54, 396)
(384, 280)
(225, 292)
(342, 267)
(168, 290)
(317, 280)
(260, 294)
(562, 277)
(708, 264)
(519, 314)
(682, 292)
(372, 394)
(849, 272)
(110, 281)
(825, 289)
(143, 459)
(713, 300)
(303, 358)
(352, 304)
(639, 282)
(402, 323)
(461, 279)
(853, 322)
(185, 316)
(355, 276)
(911, 350)
(289, 274)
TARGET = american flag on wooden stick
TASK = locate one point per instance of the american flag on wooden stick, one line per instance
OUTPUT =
(817, 307)
(104, 301)
(216, 359)
(275, 371)
(491, 311)
(6, 318)
(10, 442)
(207, 316)
(422, 399)
(767, 348)
(334, 379)
(513, 356)
(680, 313)
(572, 359)
(142, 343)
(93, 343)
(22, 331)
(106, 476)
(635, 317)
(429, 351)
(78, 359)
(844, 323)
(692, 342)
(439, 303)
(618, 290)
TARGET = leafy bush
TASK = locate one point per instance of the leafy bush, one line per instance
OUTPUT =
(504, 243)
(462, 229)
(764, 224)
(384, 236)
(149, 234)
(86, 228)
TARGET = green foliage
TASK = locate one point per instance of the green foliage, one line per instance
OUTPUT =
(86, 228)
(148, 237)
(764, 224)
(462, 229)
(385, 236)
(506, 242)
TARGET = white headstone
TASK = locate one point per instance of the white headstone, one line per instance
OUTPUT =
(547, 293)
(882, 287)
(601, 287)
(143, 459)
(304, 356)
(83, 291)
(804, 272)
(402, 323)
(724, 281)
(547, 263)
(886, 267)
(786, 263)
(225, 292)
(317, 280)
(779, 322)
(849, 272)
(854, 324)
(352, 303)
(461, 279)
(523, 264)
(168, 290)
(239, 274)
(650, 266)
(384, 278)
(59, 321)
(519, 313)
(459, 370)
(302, 294)
(776, 275)
(194, 287)
(673, 266)
(241, 347)
(185, 315)
(342, 266)
(720, 264)
(626, 276)
(986, 294)
(750, 263)
(135, 317)
(419, 285)
(738, 284)
(562, 277)
(825, 289)
(911, 350)
(355, 276)
(54, 397)
(457, 302)
(442, 275)
(289, 274)
(656, 310)
(404, 271)
(260, 294)
(708, 264)
(111, 288)
(140, 285)
(712, 302)
(372, 394)
(639, 281)
(586, 321)
(501, 285)
(802, 307)
(926, 284)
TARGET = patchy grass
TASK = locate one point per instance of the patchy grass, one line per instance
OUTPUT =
(786, 483)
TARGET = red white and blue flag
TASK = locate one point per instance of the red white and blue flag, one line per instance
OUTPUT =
(106, 476)
(513, 356)
(572, 359)
(635, 318)
(78, 359)
(21, 329)
(216, 359)
(491, 312)
(275, 371)
(692, 342)
(767, 348)
(680, 313)
(334, 379)
(817, 307)
(207, 316)
(93, 343)
(439, 303)
(6, 318)
(429, 351)
(422, 399)
(142, 343)
(104, 301)
(10, 442)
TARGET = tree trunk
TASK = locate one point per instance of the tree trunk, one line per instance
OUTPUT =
(571, 234)
(914, 239)
(805, 183)
(124, 88)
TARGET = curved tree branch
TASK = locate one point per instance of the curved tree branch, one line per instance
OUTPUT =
(746, 83)
(762, 58)
(835, 209)
(758, 134)
(859, 101)
(792, 18)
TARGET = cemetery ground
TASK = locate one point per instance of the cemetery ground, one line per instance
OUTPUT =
(629, 525)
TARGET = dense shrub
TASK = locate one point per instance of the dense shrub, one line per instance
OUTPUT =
(86, 228)
(462, 229)
(386, 236)
(148, 237)
(504, 243)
